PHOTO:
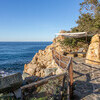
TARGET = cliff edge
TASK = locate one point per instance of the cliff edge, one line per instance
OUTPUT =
(42, 61)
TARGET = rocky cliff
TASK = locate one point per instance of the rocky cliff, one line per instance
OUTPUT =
(42, 61)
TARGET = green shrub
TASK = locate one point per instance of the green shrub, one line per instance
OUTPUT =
(68, 42)
(73, 42)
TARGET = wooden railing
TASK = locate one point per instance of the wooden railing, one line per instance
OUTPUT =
(61, 60)
(64, 80)
(65, 63)
(45, 81)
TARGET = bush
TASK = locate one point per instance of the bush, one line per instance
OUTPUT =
(72, 42)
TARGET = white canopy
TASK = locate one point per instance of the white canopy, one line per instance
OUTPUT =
(78, 34)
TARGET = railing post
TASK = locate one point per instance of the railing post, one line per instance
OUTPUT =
(63, 83)
(68, 89)
(52, 53)
(71, 79)
(59, 59)
(70, 73)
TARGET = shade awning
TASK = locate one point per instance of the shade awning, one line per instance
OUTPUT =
(78, 34)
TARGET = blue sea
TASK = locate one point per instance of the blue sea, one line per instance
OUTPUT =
(13, 55)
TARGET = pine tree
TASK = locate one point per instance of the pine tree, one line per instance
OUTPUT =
(89, 20)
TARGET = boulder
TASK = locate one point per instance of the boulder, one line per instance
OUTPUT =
(59, 71)
(10, 83)
(63, 31)
(50, 71)
(24, 75)
(93, 53)
(95, 38)
(82, 54)
(18, 93)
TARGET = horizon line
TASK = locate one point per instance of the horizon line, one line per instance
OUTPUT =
(25, 41)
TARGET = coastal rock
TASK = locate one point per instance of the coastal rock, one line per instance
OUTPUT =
(42, 60)
(10, 82)
(58, 38)
(18, 93)
(63, 31)
(30, 68)
(25, 75)
(50, 71)
(59, 71)
(93, 53)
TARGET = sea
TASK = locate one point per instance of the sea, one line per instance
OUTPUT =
(13, 55)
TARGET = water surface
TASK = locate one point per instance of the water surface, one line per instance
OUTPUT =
(13, 55)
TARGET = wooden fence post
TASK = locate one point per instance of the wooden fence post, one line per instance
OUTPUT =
(71, 79)
(59, 59)
(63, 83)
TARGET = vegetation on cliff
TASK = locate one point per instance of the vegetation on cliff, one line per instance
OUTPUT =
(89, 21)
(73, 42)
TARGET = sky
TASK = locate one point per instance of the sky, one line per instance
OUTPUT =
(36, 20)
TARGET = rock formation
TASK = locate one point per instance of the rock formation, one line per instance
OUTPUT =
(93, 54)
(43, 60)
(10, 83)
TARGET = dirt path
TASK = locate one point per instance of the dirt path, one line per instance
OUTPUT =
(86, 80)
